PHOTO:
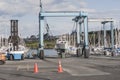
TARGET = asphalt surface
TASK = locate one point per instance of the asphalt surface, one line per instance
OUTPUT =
(94, 68)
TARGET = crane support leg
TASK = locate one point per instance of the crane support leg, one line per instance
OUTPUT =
(79, 32)
(86, 47)
(41, 44)
(112, 38)
(104, 35)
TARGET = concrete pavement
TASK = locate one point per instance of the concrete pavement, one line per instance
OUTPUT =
(74, 69)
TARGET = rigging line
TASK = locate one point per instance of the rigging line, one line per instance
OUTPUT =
(76, 26)
(48, 28)
(40, 4)
(41, 8)
(46, 25)
(73, 27)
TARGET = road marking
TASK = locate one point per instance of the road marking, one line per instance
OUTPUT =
(27, 67)
(85, 71)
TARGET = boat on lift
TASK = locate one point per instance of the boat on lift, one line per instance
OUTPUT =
(64, 48)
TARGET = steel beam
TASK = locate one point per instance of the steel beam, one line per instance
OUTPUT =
(41, 45)
(100, 19)
(41, 39)
(112, 35)
(104, 35)
(86, 30)
(78, 34)
(63, 13)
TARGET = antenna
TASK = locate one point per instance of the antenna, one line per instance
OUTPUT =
(40, 5)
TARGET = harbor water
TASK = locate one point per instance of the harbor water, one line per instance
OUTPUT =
(47, 53)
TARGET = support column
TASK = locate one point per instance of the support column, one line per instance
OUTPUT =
(79, 49)
(86, 47)
(104, 35)
(112, 35)
(112, 38)
(80, 31)
(99, 39)
(41, 39)
(78, 35)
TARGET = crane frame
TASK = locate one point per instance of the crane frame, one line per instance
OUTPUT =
(80, 14)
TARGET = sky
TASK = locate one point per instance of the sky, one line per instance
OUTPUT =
(26, 11)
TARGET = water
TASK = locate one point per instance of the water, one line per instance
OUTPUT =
(47, 52)
(50, 52)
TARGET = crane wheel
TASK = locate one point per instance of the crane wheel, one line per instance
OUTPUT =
(22, 57)
(42, 54)
(79, 53)
(86, 53)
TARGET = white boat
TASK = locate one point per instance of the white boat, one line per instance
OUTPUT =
(62, 46)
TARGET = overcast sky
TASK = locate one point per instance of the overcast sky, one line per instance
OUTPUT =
(26, 11)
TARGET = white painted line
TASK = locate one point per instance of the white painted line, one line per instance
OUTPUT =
(86, 73)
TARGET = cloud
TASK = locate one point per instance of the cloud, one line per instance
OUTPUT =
(4, 28)
(113, 13)
(15, 8)
(28, 29)
(22, 8)
(68, 5)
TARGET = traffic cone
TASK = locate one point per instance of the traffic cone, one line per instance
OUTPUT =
(60, 67)
(35, 68)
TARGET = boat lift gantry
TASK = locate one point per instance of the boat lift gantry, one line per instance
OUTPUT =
(79, 20)
(82, 15)
(103, 22)
(82, 46)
